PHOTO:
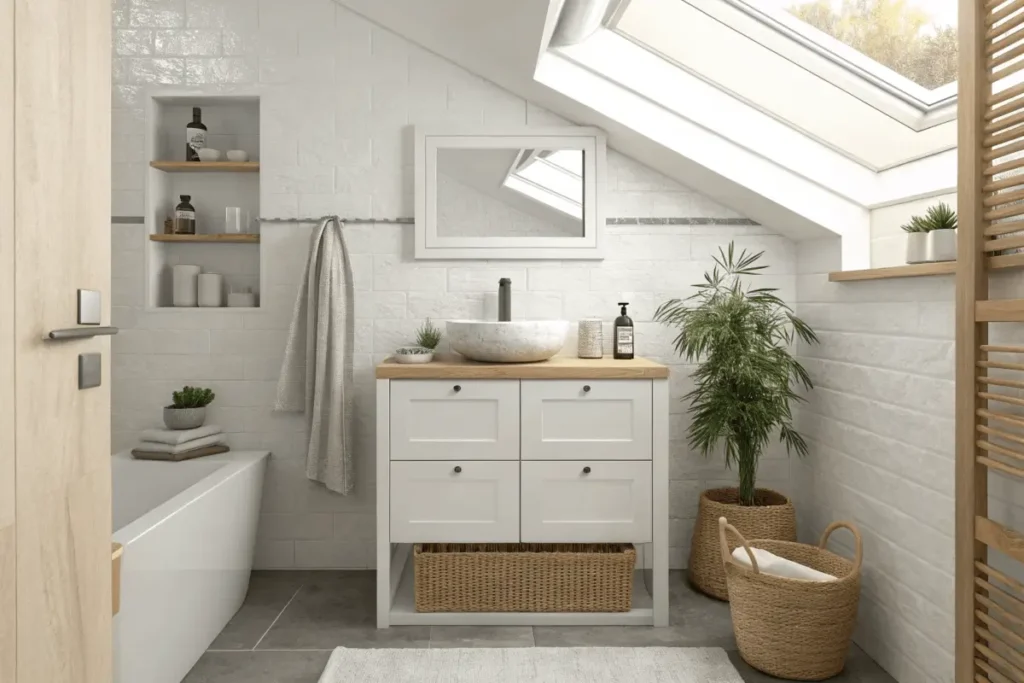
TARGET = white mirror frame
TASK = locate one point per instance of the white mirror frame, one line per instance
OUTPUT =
(431, 245)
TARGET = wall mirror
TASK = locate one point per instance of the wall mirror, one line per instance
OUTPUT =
(524, 194)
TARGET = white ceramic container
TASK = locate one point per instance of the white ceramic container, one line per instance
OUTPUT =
(941, 245)
(185, 286)
(211, 290)
(208, 154)
(238, 155)
(917, 247)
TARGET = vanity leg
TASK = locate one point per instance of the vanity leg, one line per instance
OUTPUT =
(383, 503)
(659, 588)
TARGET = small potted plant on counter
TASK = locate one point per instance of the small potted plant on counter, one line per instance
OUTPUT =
(189, 408)
(917, 240)
(427, 339)
(741, 339)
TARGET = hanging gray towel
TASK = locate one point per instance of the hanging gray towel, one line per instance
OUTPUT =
(320, 341)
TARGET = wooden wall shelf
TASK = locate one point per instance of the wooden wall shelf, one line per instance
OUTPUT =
(207, 166)
(915, 270)
(209, 239)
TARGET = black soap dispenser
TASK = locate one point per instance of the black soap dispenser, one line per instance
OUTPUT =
(623, 347)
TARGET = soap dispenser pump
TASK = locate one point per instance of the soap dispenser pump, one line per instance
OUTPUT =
(623, 345)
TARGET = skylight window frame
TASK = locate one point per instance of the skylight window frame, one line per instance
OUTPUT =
(829, 58)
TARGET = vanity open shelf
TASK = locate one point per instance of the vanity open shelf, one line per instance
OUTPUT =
(207, 166)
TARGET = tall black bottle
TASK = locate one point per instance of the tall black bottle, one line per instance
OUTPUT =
(195, 135)
(623, 340)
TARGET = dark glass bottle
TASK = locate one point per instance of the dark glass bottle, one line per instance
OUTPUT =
(623, 342)
(185, 217)
(195, 135)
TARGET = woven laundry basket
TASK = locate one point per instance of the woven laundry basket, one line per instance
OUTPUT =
(791, 628)
(773, 517)
(520, 577)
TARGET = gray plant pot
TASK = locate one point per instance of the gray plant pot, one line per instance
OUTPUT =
(184, 418)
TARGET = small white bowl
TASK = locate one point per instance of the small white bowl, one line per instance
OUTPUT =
(207, 154)
(413, 355)
(238, 155)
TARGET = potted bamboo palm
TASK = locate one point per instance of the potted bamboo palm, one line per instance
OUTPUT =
(741, 338)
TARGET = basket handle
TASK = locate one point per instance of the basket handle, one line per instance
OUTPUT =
(858, 542)
(723, 526)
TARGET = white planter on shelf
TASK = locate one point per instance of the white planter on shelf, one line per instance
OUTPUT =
(917, 247)
(941, 245)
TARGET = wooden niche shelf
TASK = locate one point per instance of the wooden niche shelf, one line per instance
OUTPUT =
(208, 239)
(207, 166)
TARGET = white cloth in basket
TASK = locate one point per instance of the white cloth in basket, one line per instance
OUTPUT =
(770, 563)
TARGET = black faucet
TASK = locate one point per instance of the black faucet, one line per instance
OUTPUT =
(504, 300)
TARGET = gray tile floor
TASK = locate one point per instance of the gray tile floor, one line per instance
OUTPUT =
(291, 621)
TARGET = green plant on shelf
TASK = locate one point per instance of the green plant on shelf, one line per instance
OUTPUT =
(938, 217)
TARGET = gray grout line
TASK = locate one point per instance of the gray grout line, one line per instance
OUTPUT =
(276, 618)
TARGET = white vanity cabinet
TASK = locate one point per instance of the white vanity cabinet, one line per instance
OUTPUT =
(564, 451)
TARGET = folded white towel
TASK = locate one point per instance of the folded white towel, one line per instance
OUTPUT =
(176, 436)
(174, 449)
(770, 563)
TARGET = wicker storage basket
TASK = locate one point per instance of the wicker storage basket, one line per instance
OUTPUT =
(524, 577)
(773, 517)
(791, 628)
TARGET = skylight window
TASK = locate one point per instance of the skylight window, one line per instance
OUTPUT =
(913, 41)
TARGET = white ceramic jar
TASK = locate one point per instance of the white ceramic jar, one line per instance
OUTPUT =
(185, 286)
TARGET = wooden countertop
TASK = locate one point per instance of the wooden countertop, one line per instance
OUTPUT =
(559, 367)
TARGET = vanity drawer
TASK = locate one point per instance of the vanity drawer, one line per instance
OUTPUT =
(454, 420)
(586, 419)
(455, 502)
(586, 502)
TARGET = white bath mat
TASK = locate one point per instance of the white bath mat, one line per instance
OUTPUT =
(532, 665)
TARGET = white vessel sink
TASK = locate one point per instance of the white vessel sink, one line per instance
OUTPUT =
(518, 341)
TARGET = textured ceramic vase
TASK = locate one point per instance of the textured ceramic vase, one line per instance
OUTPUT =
(591, 338)
(184, 418)
(917, 247)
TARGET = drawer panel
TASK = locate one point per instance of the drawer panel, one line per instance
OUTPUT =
(432, 502)
(454, 420)
(586, 419)
(563, 502)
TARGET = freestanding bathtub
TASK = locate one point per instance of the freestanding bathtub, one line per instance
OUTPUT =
(188, 530)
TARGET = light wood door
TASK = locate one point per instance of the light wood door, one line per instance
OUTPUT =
(454, 502)
(454, 420)
(586, 419)
(55, 583)
(597, 501)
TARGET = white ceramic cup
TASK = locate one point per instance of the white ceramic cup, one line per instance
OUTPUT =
(211, 286)
(185, 286)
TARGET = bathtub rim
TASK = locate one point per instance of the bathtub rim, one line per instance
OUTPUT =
(234, 463)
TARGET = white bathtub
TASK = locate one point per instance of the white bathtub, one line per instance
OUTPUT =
(188, 530)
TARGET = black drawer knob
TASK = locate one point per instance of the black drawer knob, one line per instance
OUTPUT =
(586, 470)
(457, 388)
(586, 388)
(458, 468)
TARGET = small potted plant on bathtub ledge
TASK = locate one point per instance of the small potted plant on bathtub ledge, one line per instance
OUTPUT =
(189, 408)
(742, 339)
(427, 339)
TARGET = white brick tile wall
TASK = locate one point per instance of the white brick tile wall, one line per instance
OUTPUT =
(337, 95)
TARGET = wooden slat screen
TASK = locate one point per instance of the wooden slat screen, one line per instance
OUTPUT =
(989, 377)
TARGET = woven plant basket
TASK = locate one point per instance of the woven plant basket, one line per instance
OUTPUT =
(519, 577)
(772, 517)
(790, 628)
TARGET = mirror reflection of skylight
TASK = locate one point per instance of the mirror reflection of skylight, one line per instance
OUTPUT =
(552, 177)
(915, 40)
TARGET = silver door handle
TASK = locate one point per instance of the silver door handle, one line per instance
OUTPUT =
(80, 333)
